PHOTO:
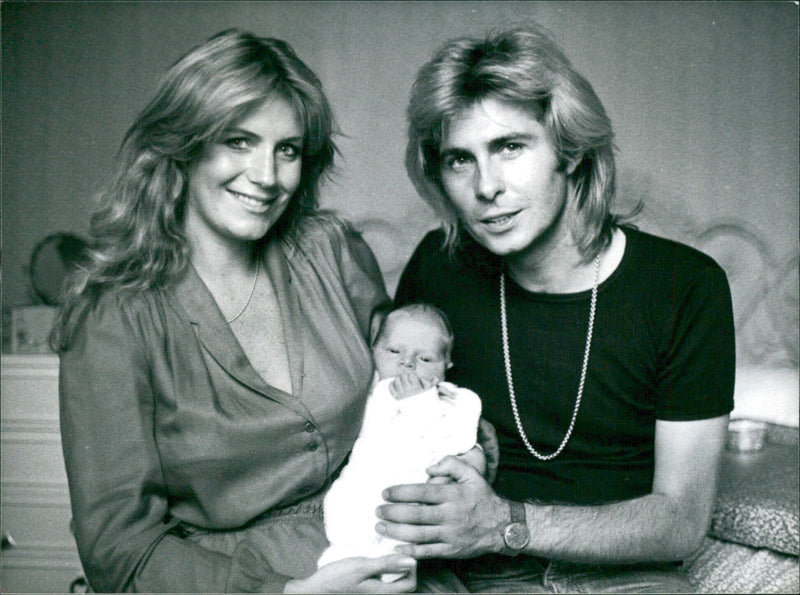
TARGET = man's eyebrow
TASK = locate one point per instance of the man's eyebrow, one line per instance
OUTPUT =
(494, 144)
(453, 152)
(500, 141)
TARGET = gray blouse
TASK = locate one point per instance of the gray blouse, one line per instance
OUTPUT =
(164, 421)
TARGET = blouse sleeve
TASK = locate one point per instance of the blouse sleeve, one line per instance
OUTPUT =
(364, 281)
(125, 537)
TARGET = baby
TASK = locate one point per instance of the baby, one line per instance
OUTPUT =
(412, 420)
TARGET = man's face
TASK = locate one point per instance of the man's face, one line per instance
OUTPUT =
(501, 173)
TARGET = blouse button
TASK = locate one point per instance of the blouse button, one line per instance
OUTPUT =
(312, 446)
(310, 427)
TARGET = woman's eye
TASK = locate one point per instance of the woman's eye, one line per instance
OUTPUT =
(237, 143)
(426, 360)
(289, 151)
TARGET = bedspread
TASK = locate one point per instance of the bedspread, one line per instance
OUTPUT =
(753, 543)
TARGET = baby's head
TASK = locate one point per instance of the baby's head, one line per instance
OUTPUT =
(414, 338)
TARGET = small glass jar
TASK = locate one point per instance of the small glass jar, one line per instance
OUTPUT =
(745, 435)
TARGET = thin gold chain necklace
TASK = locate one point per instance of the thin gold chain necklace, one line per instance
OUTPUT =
(250, 297)
(509, 378)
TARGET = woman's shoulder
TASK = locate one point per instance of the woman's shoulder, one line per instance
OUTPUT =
(322, 228)
(129, 308)
(325, 235)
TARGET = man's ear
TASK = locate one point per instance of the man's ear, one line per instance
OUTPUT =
(449, 365)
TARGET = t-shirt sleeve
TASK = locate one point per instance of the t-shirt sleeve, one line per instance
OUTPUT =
(698, 377)
(423, 267)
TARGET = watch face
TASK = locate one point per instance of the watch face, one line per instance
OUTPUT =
(516, 536)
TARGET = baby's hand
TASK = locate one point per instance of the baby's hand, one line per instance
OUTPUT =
(473, 457)
(445, 391)
(409, 384)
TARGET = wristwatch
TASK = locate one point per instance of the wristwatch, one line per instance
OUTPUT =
(515, 534)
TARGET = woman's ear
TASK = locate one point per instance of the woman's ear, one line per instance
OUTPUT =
(177, 184)
(570, 165)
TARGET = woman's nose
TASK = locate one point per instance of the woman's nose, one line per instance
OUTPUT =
(262, 169)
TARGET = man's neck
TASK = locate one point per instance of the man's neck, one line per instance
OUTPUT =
(562, 268)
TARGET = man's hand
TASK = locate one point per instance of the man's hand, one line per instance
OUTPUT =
(459, 519)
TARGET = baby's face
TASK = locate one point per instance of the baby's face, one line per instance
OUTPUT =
(408, 345)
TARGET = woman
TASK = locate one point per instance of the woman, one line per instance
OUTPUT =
(214, 352)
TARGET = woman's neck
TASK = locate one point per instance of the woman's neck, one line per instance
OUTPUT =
(220, 260)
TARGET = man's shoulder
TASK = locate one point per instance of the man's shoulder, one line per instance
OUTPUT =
(659, 251)
(467, 256)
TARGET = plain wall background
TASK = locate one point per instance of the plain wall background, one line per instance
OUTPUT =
(704, 98)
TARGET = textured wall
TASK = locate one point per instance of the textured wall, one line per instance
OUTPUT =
(703, 97)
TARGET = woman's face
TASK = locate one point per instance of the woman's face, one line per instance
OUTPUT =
(244, 182)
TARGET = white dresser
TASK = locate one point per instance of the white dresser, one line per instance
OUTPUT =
(34, 500)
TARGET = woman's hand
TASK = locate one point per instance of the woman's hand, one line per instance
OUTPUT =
(459, 519)
(359, 575)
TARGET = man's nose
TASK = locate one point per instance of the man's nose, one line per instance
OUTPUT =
(489, 181)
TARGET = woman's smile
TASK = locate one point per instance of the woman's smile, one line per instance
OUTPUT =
(242, 185)
(255, 203)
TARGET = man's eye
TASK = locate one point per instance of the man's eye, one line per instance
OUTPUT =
(511, 148)
(457, 163)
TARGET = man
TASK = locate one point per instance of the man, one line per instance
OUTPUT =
(604, 356)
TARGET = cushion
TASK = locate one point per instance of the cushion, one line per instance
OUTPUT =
(767, 394)
(758, 500)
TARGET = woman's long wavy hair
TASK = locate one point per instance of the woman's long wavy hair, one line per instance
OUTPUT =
(524, 67)
(136, 234)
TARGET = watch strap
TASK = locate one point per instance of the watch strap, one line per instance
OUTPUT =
(517, 512)
(515, 534)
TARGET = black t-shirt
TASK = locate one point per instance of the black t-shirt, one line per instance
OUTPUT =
(662, 348)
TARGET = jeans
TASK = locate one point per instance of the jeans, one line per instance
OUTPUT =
(526, 574)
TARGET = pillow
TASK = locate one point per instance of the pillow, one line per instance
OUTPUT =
(767, 394)
(758, 501)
